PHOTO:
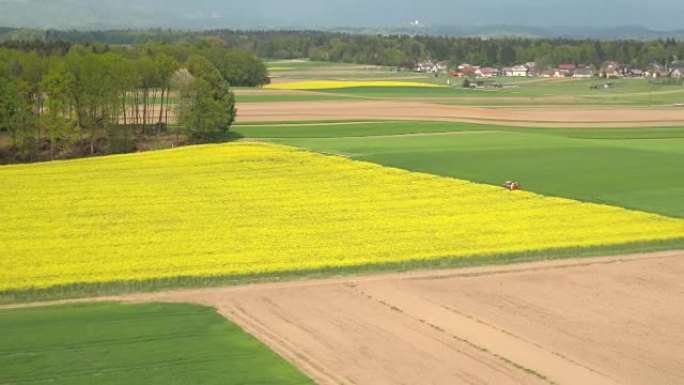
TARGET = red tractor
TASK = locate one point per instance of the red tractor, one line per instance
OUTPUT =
(511, 185)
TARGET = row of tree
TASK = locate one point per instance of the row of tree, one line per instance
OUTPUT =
(396, 50)
(405, 51)
(99, 99)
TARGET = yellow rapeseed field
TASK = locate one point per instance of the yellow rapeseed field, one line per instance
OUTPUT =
(335, 84)
(249, 208)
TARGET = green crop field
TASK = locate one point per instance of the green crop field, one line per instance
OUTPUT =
(637, 168)
(268, 98)
(146, 344)
(348, 129)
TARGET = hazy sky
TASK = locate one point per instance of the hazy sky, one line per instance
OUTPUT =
(661, 15)
(666, 14)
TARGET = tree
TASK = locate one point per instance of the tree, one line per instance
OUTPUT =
(238, 67)
(147, 75)
(16, 114)
(207, 106)
(165, 67)
(57, 120)
(93, 89)
(507, 55)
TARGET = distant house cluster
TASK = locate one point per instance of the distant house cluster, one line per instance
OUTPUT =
(672, 70)
(614, 70)
(569, 71)
(530, 69)
(429, 66)
(609, 70)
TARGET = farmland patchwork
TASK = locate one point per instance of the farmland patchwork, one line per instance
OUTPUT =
(250, 208)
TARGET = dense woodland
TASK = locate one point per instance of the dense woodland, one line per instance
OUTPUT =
(59, 100)
(391, 50)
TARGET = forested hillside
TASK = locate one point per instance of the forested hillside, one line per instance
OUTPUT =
(391, 50)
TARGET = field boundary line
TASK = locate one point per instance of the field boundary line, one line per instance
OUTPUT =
(282, 346)
(539, 265)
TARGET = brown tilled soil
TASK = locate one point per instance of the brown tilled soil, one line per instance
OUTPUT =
(612, 320)
(616, 116)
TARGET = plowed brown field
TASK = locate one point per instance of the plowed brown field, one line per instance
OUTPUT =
(616, 116)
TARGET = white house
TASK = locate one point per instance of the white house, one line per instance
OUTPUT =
(676, 69)
(520, 70)
(430, 67)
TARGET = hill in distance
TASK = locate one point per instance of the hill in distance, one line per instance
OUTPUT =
(431, 17)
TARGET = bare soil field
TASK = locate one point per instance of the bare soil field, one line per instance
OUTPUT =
(527, 101)
(612, 320)
(618, 116)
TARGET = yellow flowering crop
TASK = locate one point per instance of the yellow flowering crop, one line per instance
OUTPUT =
(249, 208)
(334, 84)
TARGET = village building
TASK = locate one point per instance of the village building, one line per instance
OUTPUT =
(583, 72)
(428, 66)
(676, 69)
(520, 70)
(635, 73)
(487, 72)
(611, 70)
(658, 71)
(466, 70)
(533, 69)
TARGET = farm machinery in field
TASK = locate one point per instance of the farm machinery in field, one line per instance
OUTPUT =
(511, 185)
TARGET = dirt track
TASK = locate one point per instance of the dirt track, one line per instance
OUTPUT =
(617, 116)
(613, 320)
